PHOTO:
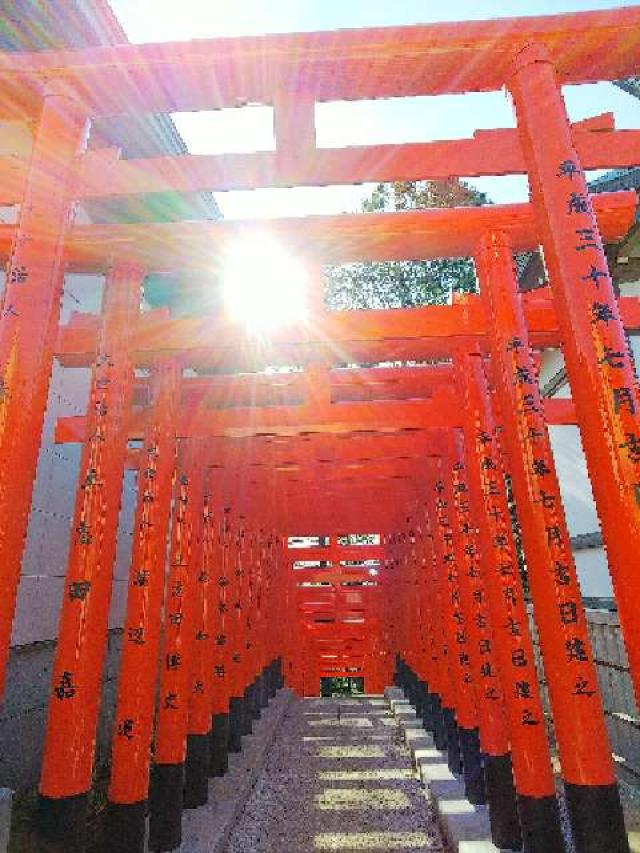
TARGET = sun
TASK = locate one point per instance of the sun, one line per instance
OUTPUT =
(264, 286)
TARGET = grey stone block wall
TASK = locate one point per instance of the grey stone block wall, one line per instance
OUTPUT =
(23, 716)
(612, 666)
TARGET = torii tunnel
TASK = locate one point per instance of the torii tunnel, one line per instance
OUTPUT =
(398, 471)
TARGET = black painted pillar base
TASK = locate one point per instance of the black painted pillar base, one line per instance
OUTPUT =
(61, 823)
(235, 724)
(414, 698)
(263, 696)
(421, 697)
(596, 818)
(273, 679)
(247, 720)
(427, 707)
(255, 699)
(267, 684)
(219, 745)
(414, 693)
(454, 758)
(124, 828)
(502, 802)
(196, 771)
(540, 824)
(165, 807)
(439, 729)
(408, 683)
(472, 770)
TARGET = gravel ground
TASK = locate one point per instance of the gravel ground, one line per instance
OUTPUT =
(338, 777)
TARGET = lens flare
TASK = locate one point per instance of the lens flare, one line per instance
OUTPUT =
(263, 285)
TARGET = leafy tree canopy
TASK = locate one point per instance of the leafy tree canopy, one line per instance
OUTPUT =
(406, 284)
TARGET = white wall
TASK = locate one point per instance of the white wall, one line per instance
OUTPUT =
(593, 572)
(48, 538)
(575, 484)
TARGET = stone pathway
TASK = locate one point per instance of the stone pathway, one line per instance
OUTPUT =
(338, 777)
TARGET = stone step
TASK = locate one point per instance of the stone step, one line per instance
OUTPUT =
(465, 827)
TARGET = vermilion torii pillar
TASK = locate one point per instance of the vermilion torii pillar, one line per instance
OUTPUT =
(583, 744)
(438, 685)
(176, 659)
(464, 564)
(235, 602)
(29, 325)
(599, 362)
(483, 638)
(459, 705)
(537, 805)
(222, 579)
(125, 820)
(78, 664)
(198, 755)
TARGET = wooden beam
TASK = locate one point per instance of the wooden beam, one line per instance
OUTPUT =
(385, 417)
(102, 174)
(334, 338)
(341, 65)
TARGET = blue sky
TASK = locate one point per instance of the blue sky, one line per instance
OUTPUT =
(395, 120)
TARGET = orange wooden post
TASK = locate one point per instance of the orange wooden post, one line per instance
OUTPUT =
(599, 362)
(278, 614)
(535, 787)
(246, 567)
(131, 744)
(585, 754)
(295, 639)
(417, 627)
(420, 604)
(459, 703)
(282, 593)
(490, 734)
(78, 664)
(266, 613)
(198, 758)
(222, 617)
(248, 629)
(236, 687)
(391, 563)
(421, 624)
(405, 609)
(390, 605)
(438, 686)
(410, 625)
(167, 780)
(28, 327)
(260, 636)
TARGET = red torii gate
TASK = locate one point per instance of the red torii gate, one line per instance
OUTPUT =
(458, 624)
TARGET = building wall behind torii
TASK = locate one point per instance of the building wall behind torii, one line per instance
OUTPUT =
(582, 518)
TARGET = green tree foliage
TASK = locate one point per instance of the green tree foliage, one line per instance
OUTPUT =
(405, 284)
